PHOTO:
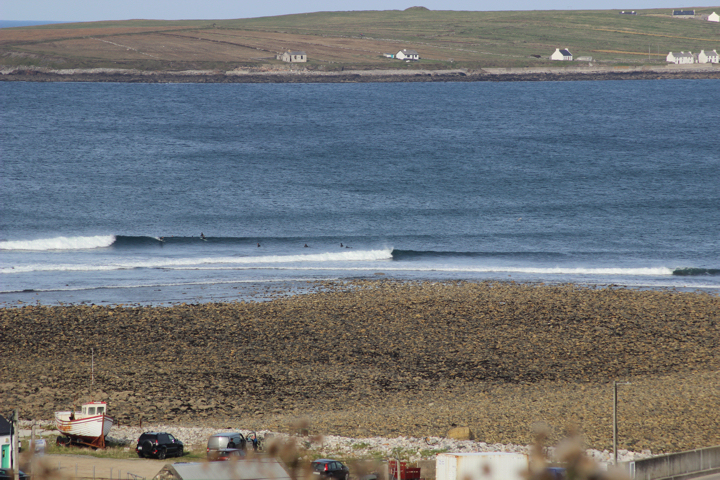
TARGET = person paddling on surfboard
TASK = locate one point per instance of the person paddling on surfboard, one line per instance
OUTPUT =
(202, 235)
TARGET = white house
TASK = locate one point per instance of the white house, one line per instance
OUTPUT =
(6, 449)
(681, 58)
(708, 57)
(561, 54)
(407, 55)
(683, 14)
(293, 57)
(713, 17)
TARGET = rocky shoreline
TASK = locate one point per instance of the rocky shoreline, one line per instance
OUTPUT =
(387, 358)
(260, 75)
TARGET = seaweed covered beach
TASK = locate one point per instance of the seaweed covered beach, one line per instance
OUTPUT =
(387, 358)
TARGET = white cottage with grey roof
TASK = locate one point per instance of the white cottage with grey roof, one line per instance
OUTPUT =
(682, 58)
(708, 57)
(407, 55)
(294, 57)
(563, 54)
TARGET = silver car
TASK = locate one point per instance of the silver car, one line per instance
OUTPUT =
(223, 445)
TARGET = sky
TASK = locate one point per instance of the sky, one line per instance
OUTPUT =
(96, 10)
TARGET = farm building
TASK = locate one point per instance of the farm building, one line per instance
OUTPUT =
(683, 14)
(293, 57)
(681, 58)
(407, 55)
(563, 54)
(708, 57)
(713, 17)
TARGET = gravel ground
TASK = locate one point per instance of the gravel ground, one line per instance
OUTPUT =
(333, 446)
(387, 359)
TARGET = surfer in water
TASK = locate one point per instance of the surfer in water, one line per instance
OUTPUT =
(341, 245)
(202, 235)
(306, 245)
(258, 245)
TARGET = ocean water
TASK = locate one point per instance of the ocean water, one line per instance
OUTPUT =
(106, 188)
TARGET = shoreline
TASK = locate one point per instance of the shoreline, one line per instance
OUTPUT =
(383, 358)
(263, 75)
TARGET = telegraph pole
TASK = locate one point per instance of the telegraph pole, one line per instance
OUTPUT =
(615, 430)
(16, 450)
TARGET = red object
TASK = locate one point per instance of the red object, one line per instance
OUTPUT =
(405, 472)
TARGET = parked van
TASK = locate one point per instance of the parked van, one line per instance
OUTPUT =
(223, 445)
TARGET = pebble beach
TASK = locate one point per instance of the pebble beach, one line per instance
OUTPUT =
(386, 359)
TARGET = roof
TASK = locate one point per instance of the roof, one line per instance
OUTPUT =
(5, 427)
(409, 52)
(566, 53)
(254, 469)
(683, 12)
(682, 54)
(299, 52)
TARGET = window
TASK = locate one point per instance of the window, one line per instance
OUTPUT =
(100, 410)
(91, 410)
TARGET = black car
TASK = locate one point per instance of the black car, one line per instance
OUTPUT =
(158, 444)
(327, 468)
(9, 474)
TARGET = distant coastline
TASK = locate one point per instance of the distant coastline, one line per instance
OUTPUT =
(28, 23)
(260, 75)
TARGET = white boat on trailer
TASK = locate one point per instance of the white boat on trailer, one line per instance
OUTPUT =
(88, 427)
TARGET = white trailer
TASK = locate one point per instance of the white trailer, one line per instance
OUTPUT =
(481, 466)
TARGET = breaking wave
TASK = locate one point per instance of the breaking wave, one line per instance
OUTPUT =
(59, 243)
(213, 262)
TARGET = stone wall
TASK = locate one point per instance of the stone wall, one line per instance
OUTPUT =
(676, 466)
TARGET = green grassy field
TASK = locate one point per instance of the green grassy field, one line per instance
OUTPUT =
(444, 39)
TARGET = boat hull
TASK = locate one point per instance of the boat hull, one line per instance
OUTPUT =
(89, 430)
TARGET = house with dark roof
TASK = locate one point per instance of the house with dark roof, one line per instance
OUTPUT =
(681, 58)
(407, 55)
(563, 54)
(683, 13)
(708, 57)
(5, 443)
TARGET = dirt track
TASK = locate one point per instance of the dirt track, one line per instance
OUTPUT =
(386, 358)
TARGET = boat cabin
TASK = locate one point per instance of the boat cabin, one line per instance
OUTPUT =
(92, 409)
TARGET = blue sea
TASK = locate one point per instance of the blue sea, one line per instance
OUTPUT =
(107, 188)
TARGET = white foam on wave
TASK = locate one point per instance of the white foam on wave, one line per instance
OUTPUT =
(655, 272)
(59, 243)
(187, 263)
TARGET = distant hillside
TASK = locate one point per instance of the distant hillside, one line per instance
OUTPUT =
(357, 40)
